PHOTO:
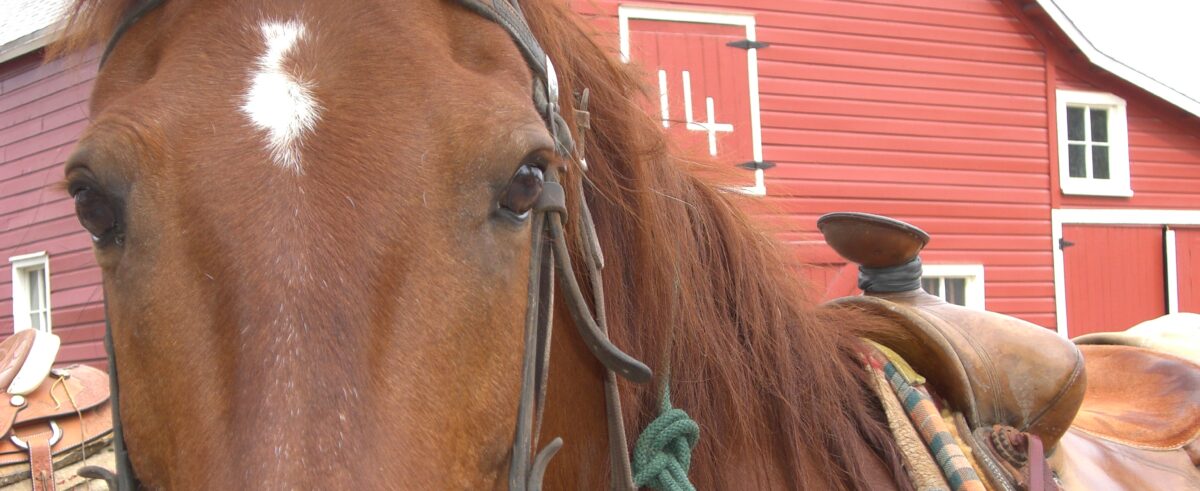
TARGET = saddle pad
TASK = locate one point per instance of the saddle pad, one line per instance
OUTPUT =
(1139, 397)
(15, 476)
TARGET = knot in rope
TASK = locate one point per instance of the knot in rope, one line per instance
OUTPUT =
(663, 453)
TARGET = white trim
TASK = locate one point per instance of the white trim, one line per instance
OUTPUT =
(20, 289)
(1172, 266)
(1092, 216)
(30, 42)
(663, 102)
(1115, 67)
(973, 273)
(1118, 183)
(626, 12)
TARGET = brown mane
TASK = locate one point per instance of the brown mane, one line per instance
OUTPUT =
(87, 23)
(751, 358)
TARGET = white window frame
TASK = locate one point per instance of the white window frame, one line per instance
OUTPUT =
(20, 266)
(1117, 185)
(626, 12)
(972, 273)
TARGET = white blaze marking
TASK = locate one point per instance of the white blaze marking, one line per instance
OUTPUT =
(277, 102)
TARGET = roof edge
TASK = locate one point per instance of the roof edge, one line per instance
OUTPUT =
(1112, 65)
(30, 42)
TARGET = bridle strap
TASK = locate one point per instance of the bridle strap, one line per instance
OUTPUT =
(548, 250)
(593, 327)
(130, 19)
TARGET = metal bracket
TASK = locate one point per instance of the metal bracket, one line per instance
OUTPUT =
(747, 44)
(756, 165)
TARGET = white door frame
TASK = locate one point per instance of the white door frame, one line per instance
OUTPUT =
(625, 12)
(1133, 216)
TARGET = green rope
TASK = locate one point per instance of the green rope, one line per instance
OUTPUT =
(663, 453)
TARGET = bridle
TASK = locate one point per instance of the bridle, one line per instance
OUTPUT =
(549, 251)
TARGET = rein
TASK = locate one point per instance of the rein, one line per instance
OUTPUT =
(549, 251)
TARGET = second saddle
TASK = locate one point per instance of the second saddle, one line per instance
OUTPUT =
(50, 416)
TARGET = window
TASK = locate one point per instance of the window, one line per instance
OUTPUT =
(1093, 144)
(959, 284)
(31, 291)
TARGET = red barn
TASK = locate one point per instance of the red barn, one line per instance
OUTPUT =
(1059, 185)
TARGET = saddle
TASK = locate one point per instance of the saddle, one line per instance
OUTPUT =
(53, 417)
(1139, 424)
(1009, 379)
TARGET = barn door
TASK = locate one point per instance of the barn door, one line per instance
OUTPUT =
(702, 68)
(1187, 269)
(1114, 277)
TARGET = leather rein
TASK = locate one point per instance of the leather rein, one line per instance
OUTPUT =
(549, 251)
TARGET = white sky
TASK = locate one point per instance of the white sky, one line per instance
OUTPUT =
(1160, 38)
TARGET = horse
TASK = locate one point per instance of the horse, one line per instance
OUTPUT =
(318, 228)
(314, 253)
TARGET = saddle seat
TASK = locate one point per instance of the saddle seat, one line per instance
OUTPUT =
(1140, 397)
(994, 369)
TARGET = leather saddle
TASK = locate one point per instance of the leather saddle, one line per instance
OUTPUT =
(1139, 427)
(1008, 379)
(52, 417)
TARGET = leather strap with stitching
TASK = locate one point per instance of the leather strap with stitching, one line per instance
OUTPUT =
(41, 461)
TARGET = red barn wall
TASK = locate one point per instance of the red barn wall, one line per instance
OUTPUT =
(932, 112)
(42, 112)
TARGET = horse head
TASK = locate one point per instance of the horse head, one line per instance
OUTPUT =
(313, 226)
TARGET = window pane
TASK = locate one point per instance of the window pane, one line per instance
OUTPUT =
(1100, 162)
(34, 277)
(35, 320)
(956, 291)
(1078, 160)
(1075, 123)
(931, 285)
(1099, 124)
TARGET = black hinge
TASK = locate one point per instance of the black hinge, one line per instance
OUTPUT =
(746, 44)
(1064, 243)
(756, 165)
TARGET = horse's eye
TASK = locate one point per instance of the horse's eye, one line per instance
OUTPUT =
(96, 213)
(523, 190)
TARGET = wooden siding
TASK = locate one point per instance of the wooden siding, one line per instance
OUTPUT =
(42, 112)
(933, 112)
